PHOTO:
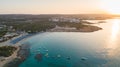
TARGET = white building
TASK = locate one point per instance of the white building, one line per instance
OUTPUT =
(65, 19)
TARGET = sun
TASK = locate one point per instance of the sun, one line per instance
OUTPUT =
(111, 6)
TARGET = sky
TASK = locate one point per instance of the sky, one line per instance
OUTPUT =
(49, 6)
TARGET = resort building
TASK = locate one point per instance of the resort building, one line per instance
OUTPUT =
(65, 19)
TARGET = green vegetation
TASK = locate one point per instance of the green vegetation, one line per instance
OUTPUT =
(7, 51)
(38, 23)
(68, 24)
(37, 26)
(31, 27)
(2, 33)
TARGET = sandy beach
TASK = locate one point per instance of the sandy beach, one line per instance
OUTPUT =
(7, 43)
(5, 60)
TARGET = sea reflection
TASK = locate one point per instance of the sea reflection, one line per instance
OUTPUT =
(115, 29)
(99, 49)
(112, 42)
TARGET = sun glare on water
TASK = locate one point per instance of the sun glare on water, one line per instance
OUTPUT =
(111, 6)
(112, 42)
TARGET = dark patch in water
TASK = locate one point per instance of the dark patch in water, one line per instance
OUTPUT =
(83, 58)
(68, 58)
(38, 57)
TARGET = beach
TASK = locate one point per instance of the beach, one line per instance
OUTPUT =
(5, 60)
(20, 54)
(17, 57)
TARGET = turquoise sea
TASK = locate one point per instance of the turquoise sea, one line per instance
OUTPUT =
(76, 49)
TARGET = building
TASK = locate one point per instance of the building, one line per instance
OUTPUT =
(65, 19)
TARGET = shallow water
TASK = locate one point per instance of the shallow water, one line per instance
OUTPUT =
(75, 49)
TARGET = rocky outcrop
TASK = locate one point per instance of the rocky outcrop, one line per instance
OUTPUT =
(22, 54)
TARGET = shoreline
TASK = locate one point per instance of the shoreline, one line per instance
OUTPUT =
(8, 59)
(86, 29)
(4, 61)
(24, 37)
(18, 57)
(8, 43)
(21, 55)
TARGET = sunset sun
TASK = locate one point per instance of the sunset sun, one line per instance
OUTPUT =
(111, 6)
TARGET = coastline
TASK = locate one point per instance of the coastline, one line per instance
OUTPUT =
(8, 42)
(85, 29)
(5, 61)
(18, 57)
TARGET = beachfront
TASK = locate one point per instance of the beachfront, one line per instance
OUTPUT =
(16, 42)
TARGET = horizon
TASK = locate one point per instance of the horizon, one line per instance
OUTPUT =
(67, 14)
(60, 7)
(55, 13)
(51, 7)
(59, 33)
